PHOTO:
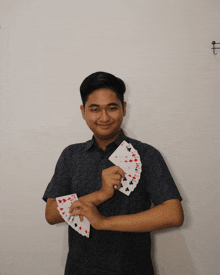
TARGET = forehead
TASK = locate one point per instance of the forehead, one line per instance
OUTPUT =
(102, 96)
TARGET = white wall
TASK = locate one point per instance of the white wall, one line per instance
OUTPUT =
(162, 49)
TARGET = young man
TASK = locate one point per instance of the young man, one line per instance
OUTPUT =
(119, 241)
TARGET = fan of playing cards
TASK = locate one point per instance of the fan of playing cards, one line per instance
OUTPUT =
(64, 204)
(128, 159)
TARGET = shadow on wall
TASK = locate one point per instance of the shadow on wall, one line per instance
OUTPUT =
(170, 254)
(65, 248)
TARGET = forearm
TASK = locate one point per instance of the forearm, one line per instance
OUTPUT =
(52, 214)
(160, 217)
(97, 198)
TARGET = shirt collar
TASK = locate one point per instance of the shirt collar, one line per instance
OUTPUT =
(118, 141)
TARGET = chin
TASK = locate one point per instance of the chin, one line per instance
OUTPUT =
(105, 135)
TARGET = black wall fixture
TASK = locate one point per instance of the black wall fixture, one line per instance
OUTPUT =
(214, 48)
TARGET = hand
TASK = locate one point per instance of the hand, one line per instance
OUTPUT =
(89, 211)
(111, 180)
(72, 208)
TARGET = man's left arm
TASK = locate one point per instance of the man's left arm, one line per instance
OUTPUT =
(165, 215)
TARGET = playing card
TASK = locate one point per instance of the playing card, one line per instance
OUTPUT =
(64, 204)
(126, 187)
(81, 227)
(128, 159)
(122, 157)
(62, 200)
(120, 151)
(63, 212)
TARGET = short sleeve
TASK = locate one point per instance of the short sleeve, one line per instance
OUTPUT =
(160, 186)
(60, 182)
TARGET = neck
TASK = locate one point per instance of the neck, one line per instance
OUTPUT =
(104, 142)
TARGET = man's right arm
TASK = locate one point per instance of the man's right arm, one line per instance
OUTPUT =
(110, 177)
(52, 214)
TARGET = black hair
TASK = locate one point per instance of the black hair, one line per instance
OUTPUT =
(100, 80)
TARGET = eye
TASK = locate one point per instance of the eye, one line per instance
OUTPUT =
(94, 109)
(113, 108)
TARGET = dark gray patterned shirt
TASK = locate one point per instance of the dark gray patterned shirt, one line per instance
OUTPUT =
(78, 170)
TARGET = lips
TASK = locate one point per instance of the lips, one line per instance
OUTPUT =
(105, 125)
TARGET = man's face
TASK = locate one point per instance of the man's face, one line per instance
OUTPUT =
(104, 113)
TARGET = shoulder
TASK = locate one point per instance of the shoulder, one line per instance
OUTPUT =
(76, 148)
(144, 148)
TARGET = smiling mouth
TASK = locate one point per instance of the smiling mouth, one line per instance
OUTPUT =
(106, 125)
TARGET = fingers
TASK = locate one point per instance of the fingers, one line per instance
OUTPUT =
(117, 181)
(77, 212)
(121, 172)
(111, 180)
(118, 170)
(75, 209)
(117, 186)
(81, 218)
(78, 208)
(71, 208)
(74, 205)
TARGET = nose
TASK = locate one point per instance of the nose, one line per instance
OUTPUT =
(104, 116)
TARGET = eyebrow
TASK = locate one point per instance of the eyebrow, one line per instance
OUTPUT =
(110, 104)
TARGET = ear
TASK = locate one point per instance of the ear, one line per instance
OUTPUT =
(82, 111)
(124, 108)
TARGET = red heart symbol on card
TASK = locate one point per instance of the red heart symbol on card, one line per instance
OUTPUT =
(64, 200)
(60, 201)
(80, 227)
